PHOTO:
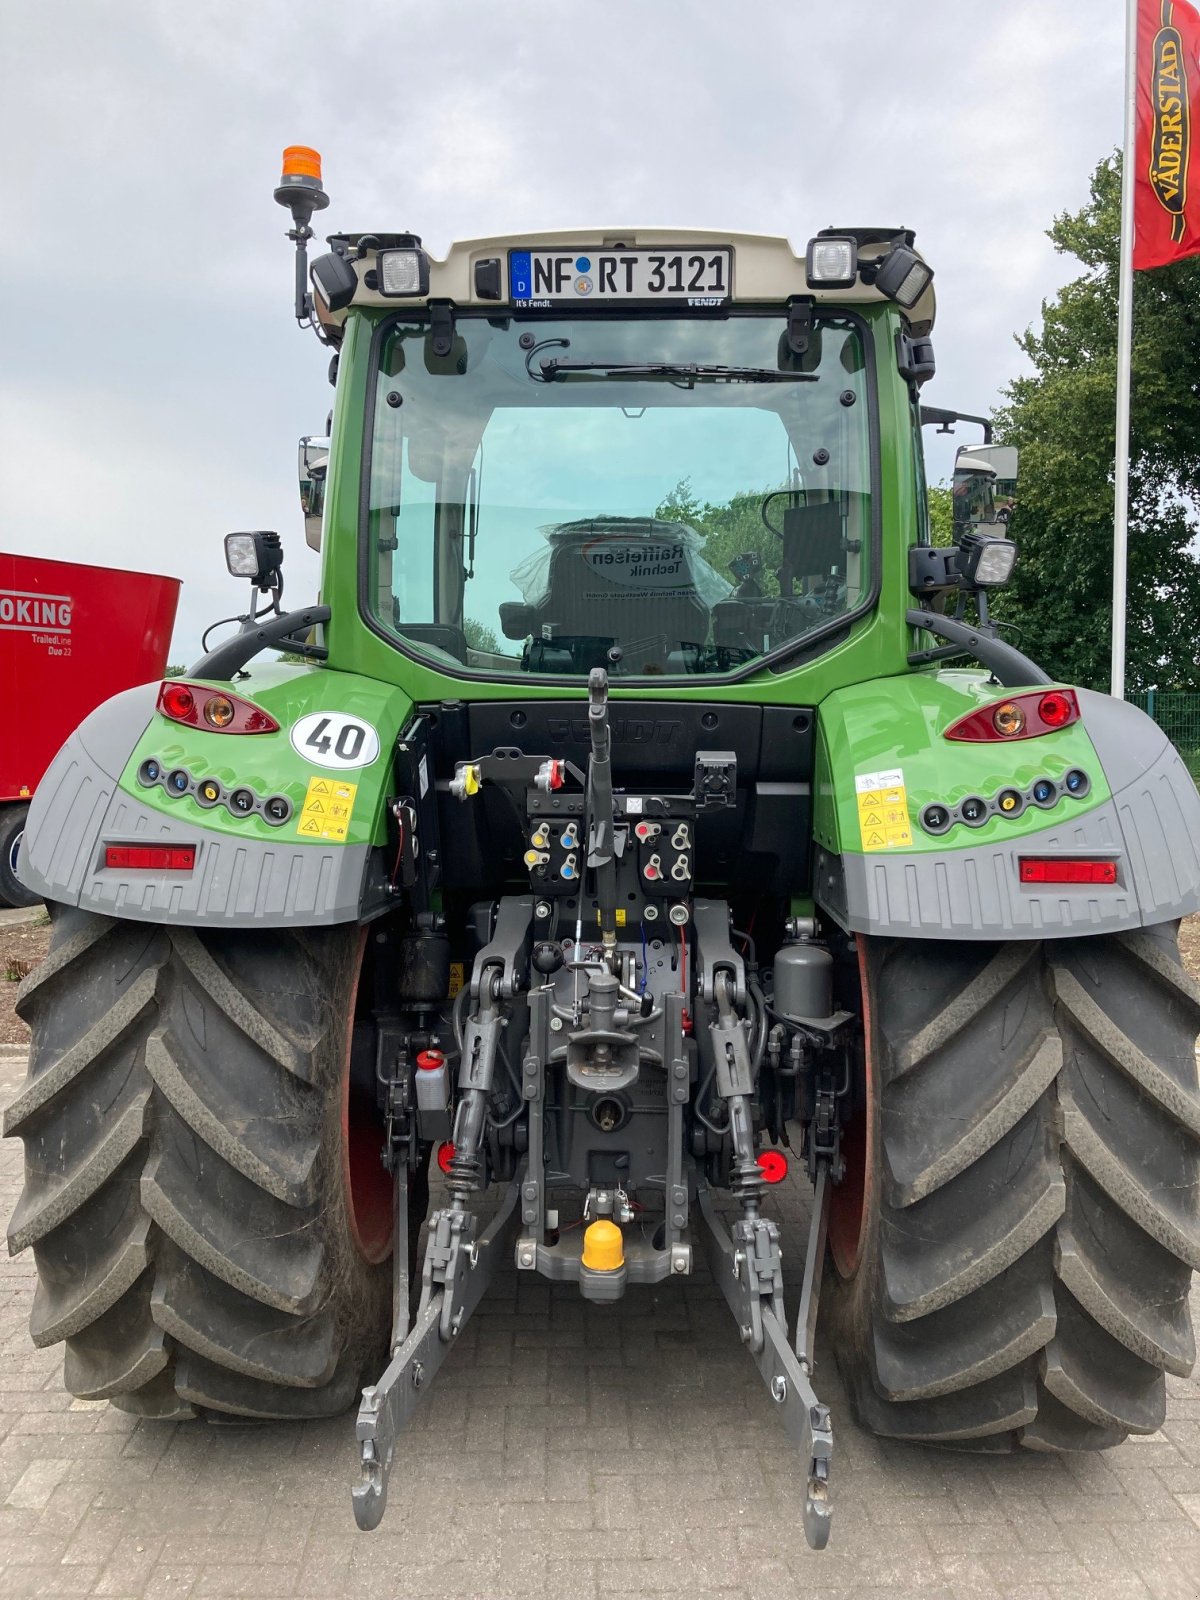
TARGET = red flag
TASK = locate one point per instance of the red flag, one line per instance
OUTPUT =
(1167, 141)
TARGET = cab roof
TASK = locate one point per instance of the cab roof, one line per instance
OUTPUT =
(766, 269)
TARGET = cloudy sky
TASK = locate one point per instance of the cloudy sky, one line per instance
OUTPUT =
(152, 384)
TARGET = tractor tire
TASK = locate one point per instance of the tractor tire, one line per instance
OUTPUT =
(12, 826)
(204, 1200)
(1013, 1268)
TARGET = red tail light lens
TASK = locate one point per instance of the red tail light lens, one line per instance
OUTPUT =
(773, 1165)
(1021, 716)
(213, 710)
(1066, 869)
(176, 700)
(1057, 709)
(151, 857)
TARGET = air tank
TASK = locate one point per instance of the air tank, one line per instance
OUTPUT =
(803, 981)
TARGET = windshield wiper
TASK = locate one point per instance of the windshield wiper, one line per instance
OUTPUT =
(681, 372)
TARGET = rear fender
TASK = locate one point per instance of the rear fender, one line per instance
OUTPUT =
(323, 864)
(882, 759)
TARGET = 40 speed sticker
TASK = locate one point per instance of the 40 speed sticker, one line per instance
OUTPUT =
(332, 739)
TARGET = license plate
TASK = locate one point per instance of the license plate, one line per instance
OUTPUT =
(697, 276)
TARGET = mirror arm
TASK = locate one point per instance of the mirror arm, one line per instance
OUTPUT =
(232, 656)
(1006, 663)
(945, 420)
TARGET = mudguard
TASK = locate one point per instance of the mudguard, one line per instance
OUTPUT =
(882, 758)
(324, 863)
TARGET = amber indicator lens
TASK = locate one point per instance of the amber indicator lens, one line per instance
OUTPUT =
(218, 711)
(1008, 719)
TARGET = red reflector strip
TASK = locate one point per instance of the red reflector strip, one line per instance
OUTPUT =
(1066, 869)
(151, 857)
(773, 1166)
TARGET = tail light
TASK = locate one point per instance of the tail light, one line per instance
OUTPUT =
(212, 709)
(151, 857)
(1066, 869)
(1021, 716)
(773, 1165)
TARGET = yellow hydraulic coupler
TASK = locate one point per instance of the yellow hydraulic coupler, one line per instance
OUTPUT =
(602, 1268)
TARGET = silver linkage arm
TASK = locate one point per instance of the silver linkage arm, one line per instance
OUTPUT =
(457, 1270)
(750, 1280)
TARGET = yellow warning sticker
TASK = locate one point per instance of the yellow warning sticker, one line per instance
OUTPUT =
(620, 916)
(883, 810)
(458, 976)
(327, 809)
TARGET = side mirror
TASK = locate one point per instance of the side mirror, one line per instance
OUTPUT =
(985, 486)
(313, 467)
(516, 619)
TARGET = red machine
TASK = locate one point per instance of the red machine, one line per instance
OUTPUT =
(70, 636)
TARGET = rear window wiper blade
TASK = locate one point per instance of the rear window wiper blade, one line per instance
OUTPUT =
(674, 371)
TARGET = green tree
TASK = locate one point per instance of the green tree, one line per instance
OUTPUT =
(733, 528)
(1062, 418)
(941, 514)
(479, 637)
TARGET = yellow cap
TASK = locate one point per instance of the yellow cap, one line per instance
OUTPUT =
(470, 780)
(603, 1247)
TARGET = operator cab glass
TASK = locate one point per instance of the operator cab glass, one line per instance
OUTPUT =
(663, 497)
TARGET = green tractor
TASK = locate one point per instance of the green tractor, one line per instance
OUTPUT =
(654, 806)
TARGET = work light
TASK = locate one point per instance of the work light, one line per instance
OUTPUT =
(831, 263)
(403, 272)
(257, 556)
(335, 280)
(903, 276)
(985, 561)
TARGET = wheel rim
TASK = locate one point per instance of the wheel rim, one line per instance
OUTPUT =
(13, 851)
(366, 1184)
(848, 1202)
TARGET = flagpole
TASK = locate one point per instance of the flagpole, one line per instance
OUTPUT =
(1124, 358)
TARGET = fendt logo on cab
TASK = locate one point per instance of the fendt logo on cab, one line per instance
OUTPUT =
(624, 730)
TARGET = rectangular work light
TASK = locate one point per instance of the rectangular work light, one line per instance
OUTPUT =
(831, 263)
(257, 556)
(985, 561)
(403, 272)
(903, 276)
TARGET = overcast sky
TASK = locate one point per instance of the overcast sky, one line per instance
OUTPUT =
(152, 383)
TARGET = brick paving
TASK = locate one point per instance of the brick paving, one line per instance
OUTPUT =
(574, 1452)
